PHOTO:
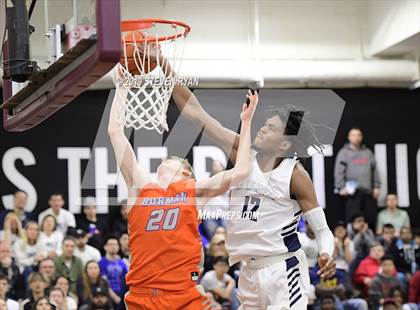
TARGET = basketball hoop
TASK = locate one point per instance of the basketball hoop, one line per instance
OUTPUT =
(141, 79)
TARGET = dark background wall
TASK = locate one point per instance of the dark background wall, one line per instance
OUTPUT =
(387, 117)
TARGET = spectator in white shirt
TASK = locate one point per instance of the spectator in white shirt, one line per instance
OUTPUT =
(218, 282)
(65, 218)
(50, 238)
(83, 250)
(28, 251)
(4, 288)
(392, 215)
(344, 247)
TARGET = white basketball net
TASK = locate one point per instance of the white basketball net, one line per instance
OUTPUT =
(145, 96)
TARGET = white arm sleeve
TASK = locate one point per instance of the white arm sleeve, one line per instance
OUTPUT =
(324, 237)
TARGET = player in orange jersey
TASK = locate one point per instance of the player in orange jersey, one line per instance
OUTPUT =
(164, 241)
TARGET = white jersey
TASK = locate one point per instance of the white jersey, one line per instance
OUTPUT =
(269, 218)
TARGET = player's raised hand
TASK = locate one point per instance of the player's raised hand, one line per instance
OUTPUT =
(249, 110)
(151, 51)
(327, 266)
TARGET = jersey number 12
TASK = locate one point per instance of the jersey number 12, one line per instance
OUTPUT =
(254, 202)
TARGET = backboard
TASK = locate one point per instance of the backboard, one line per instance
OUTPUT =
(72, 44)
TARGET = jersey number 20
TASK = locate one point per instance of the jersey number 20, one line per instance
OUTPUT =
(169, 216)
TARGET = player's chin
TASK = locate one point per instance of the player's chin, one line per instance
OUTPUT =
(257, 143)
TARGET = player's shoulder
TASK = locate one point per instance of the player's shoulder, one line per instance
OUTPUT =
(299, 171)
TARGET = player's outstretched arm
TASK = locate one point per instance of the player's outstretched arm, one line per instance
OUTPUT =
(191, 108)
(221, 182)
(301, 186)
(134, 176)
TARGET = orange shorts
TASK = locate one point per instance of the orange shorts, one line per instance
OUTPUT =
(154, 299)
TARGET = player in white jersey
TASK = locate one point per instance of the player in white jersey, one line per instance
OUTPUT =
(274, 274)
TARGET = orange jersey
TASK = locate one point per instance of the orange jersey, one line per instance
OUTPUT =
(164, 242)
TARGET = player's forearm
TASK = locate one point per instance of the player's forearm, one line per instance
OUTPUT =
(324, 237)
(114, 125)
(242, 166)
(191, 108)
(123, 151)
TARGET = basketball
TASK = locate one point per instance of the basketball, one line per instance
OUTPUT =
(130, 49)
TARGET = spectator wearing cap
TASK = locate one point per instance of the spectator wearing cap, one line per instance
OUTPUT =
(9, 269)
(309, 245)
(118, 219)
(90, 222)
(356, 178)
(390, 303)
(4, 289)
(219, 283)
(50, 239)
(100, 300)
(343, 247)
(216, 248)
(383, 282)
(65, 219)
(46, 267)
(68, 265)
(83, 250)
(38, 285)
(113, 268)
(392, 215)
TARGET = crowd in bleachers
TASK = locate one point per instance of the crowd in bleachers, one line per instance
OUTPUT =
(56, 260)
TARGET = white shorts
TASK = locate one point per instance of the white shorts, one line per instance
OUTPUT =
(275, 282)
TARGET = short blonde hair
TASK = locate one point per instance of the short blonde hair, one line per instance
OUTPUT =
(185, 164)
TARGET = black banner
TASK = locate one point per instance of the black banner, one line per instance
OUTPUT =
(70, 152)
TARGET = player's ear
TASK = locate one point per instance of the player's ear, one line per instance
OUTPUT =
(285, 145)
(186, 173)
